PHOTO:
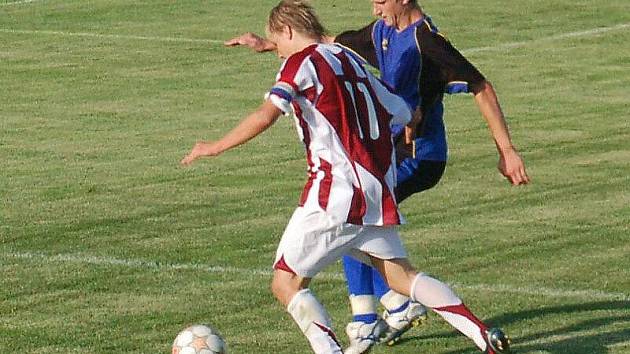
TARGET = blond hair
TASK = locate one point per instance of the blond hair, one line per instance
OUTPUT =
(297, 14)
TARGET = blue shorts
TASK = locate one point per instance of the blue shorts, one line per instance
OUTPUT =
(415, 174)
(431, 144)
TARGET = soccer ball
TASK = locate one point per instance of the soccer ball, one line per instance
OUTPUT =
(199, 339)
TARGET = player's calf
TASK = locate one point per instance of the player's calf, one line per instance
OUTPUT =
(313, 320)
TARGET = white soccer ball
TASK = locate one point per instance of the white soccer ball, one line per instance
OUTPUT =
(199, 339)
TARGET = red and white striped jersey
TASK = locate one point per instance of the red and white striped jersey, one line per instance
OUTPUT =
(343, 115)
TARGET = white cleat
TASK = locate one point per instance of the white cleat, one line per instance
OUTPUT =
(363, 336)
(400, 322)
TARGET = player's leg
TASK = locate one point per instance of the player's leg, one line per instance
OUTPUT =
(438, 296)
(423, 168)
(400, 314)
(310, 242)
(309, 314)
(388, 255)
(360, 290)
(414, 175)
(366, 327)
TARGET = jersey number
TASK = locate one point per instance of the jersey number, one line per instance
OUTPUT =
(372, 119)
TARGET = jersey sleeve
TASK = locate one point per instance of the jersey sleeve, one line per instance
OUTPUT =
(394, 104)
(282, 95)
(361, 42)
(294, 77)
(460, 75)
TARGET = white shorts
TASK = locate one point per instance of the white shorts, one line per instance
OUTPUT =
(311, 241)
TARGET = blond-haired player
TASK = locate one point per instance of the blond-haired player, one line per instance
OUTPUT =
(344, 117)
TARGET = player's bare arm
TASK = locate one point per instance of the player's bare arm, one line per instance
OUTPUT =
(250, 127)
(510, 164)
(253, 41)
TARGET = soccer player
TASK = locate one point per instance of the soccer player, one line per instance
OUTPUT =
(420, 65)
(343, 115)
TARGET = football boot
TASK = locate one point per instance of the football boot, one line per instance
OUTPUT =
(400, 322)
(498, 341)
(364, 335)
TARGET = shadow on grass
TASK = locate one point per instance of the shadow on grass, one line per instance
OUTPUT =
(565, 339)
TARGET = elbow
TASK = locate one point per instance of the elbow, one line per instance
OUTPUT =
(484, 86)
(484, 89)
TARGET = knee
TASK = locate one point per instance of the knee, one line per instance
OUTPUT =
(404, 284)
(283, 289)
(278, 288)
(399, 274)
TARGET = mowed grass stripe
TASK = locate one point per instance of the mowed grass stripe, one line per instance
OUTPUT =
(148, 264)
(504, 46)
(18, 2)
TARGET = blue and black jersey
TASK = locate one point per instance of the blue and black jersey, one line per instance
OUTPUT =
(420, 65)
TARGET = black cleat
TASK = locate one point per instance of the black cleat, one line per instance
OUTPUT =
(498, 341)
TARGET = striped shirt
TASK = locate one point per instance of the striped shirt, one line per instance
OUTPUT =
(343, 115)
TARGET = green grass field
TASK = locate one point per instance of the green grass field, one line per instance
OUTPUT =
(108, 246)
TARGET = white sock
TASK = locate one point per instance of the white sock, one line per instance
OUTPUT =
(393, 300)
(362, 305)
(432, 293)
(314, 322)
(440, 298)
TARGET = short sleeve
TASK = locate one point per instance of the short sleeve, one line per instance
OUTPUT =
(282, 95)
(361, 42)
(458, 72)
(294, 77)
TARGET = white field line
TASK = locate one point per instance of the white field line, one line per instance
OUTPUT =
(625, 344)
(17, 2)
(509, 45)
(143, 264)
(585, 33)
(113, 36)
(547, 292)
(559, 338)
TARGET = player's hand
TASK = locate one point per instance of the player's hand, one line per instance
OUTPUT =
(252, 41)
(511, 166)
(201, 149)
(412, 127)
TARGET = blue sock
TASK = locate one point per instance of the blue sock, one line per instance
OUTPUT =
(359, 281)
(365, 318)
(379, 284)
(358, 277)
